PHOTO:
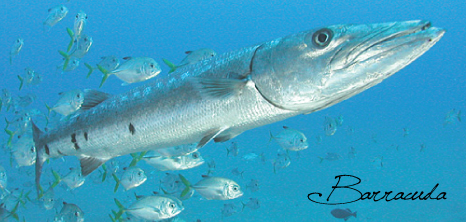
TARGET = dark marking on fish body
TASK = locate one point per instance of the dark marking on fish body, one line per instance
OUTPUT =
(47, 150)
(85, 136)
(132, 130)
(59, 152)
(76, 147)
(73, 138)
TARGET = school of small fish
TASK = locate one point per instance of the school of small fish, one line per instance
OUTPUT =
(175, 187)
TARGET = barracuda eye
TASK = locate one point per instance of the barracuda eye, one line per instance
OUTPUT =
(322, 37)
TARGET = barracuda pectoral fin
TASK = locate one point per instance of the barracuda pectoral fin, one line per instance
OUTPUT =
(210, 135)
(222, 88)
(225, 136)
(93, 98)
(89, 164)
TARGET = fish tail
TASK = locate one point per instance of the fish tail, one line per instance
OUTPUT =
(321, 159)
(11, 134)
(244, 205)
(170, 65)
(67, 59)
(187, 184)
(21, 79)
(354, 214)
(41, 151)
(136, 158)
(71, 34)
(104, 175)
(49, 109)
(57, 179)
(90, 70)
(117, 182)
(106, 74)
(13, 212)
(458, 116)
(121, 209)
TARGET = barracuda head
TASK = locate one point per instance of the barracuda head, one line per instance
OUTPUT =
(315, 69)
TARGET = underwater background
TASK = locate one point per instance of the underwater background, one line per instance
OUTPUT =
(400, 130)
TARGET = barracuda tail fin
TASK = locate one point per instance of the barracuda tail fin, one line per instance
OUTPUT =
(21, 80)
(91, 69)
(171, 65)
(187, 184)
(41, 151)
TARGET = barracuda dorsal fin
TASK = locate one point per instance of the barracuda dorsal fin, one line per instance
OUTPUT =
(222, 88)
(93, 98)
(209, 136)
(89, 164)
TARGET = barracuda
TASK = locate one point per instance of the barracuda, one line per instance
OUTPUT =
(219, 98)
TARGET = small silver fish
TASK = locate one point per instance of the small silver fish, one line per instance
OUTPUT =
(282, 161)
(69, 102)
(237, 172)
(156, 207)
(233, 149)
(72, 65)
(24, 151)
(133, 70)
(250, 156)
(330, 126)
(352, 153)
(330, 157)
(339, 120)
(291, 139)
(15, 48)
(164, 163)
(377, 162)
(79, 24)
(70, 213)
(5, 99)
(192, 57)
(171, 183)
(253, 185)
(180, 150)
(344, 214)
(405, 132)
(73, 179)
(452, 116)
(30, 77)
(131, 178)
(214, 188)
(48, 199)
(252, 204)
(56, 14)
(229, 210)
(23, 101)
(80, 48)
(108, 63)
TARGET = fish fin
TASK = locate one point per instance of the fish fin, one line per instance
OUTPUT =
(170, 65)
(120, 207)
(21, 82)
(137, 158)
(57, 179)
(127, 58)
(93, 98)
(91, 69)
(186, 183)
(104, 175)
(13, 212)
(188, 52)
(49, 109)
(89, 164)
(321, 159)
(106, 74)
(355, 214)
(71, 34)
(225, 136)
(67, 59)
(244, 205)
(41, 152)
(10, 138)
(223, 88)
(117, 182)
(211, 135)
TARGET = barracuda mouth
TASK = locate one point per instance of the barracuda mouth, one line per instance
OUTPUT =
(386, 41)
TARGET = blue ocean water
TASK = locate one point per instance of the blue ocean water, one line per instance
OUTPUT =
(417, 98)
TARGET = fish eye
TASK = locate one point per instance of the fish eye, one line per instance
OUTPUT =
(152, 65)
(77, 16)
(195, 155)
(32, 149)
(321, 38)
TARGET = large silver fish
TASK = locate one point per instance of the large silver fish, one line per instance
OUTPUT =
(219, 98)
